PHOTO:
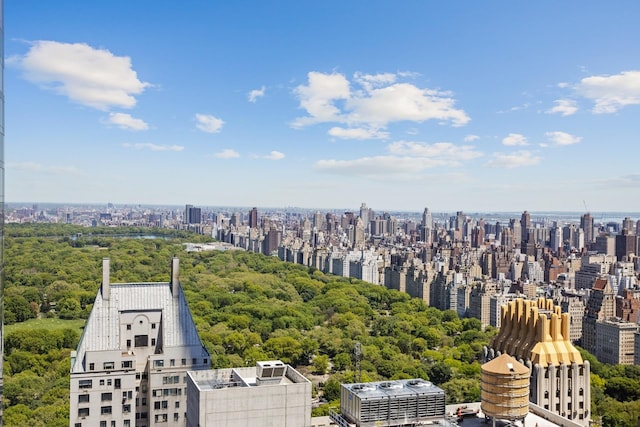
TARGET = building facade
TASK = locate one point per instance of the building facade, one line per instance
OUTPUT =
(131, 362)
(536, 333)
(615, 340)
(268, 394)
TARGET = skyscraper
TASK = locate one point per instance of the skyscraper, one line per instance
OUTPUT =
(253, 218)
(586, 223)
(525, 225)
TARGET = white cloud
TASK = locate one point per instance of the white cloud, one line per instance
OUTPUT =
(208, 123)
(318, 98)
(378, 101)
(406, 159)
(445, 152)
(357, 133)
(93, 77)
(153, 147)
(227, 154)
(37, 167)
(256, 93)
(471, 138)
(125, 121)
(611, 93)
(514, 139)
(513, 160)
(564, 107)
(274, 155)
(562, 138)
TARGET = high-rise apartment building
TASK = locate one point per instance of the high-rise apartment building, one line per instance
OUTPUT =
(192, 215)
(600, 306)
(131, 362)
(615, 341)
(536, 333)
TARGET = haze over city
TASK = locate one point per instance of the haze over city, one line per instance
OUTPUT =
(496, 106)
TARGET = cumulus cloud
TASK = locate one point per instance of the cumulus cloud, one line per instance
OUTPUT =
(564, 107)
(274, 155)
(372, 101)
(611, 93)
(37, 167)
(92, 77)
(256, 93)
(227, 154)
(562, 138)
(513, 160)
(471, 138)
(404, 160)
(208, 123)
(153, 147)
(125, 121)
(514, 139)
(357, 133)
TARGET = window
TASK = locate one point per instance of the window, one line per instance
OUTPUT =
(153, 341)
(101, 382)
(83, 412)
(106, 397)
(165, 404)
(127, 364)
(153, 326)
(85, 383)
(109, 382)
(172, 362)
(141, 340)
(92, 366)
(128, 326)
(184, 362)
(194, 361)
(113, 423)
(103, 424)
(124, 394)
(205, 361)
(156, 405)
(128, 343)
(158, 363)
(117, 383)
(161, 418)
(176, 416)
(144, 401)
(108, 365)
(83, 398)
(177, 405)
(105, 410)
(78, 425)
(127, 423)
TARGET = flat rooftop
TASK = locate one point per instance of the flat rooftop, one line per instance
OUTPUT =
(252, 376)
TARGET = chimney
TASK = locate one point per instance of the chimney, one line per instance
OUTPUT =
(106, 286)
(175, 269)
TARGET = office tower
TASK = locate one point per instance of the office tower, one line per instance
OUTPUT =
(525, 225)
(626, 244)
(253, 218)
(536, 333)
(586, 223)
(1, 204)
(318, 221)
(627, 224)
(426, 234)
(516, 230)
(605, 244)
(131, 362)
(236, 219)
(573, 303)
(364, 213)
(192, 215)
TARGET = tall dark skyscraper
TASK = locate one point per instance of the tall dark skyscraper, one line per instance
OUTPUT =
(253, 218)
(525, 225)
(1, 201)
(586, 223)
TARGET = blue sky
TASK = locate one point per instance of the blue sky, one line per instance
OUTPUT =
(475, 106)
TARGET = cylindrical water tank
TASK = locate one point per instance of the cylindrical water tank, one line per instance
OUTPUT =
(505, 388)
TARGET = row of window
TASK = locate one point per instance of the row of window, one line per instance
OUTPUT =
(125, 423)
(153, 326)
(104, 397)
(164, 404)
(87, 384)
(159, 363)
(159, 392)
(108, 366)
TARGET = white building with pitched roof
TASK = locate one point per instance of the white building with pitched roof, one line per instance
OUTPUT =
(131, 362)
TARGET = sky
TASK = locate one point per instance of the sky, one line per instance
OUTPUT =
(451, 105)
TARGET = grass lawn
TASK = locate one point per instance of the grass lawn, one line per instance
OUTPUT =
(44, 323)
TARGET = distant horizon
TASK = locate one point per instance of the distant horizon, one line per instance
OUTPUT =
(594, 214)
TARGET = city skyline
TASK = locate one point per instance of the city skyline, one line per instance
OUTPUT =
(505, 107)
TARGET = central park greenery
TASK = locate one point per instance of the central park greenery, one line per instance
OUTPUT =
(247, 307)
